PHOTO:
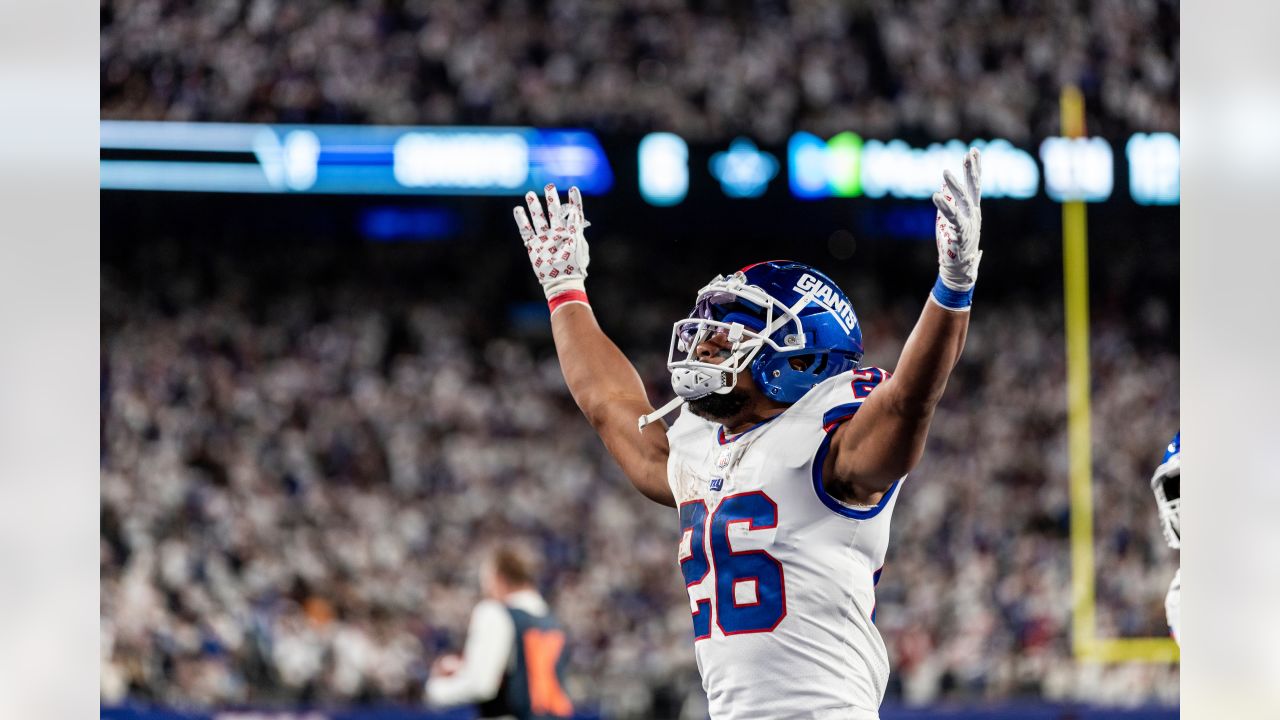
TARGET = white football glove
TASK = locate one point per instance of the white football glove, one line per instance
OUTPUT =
(959, 223)
(555, 242)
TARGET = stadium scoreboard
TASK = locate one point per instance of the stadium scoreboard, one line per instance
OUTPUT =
(507, 161)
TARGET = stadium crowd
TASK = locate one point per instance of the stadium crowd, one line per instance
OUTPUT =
(706, 70)
(298, 477)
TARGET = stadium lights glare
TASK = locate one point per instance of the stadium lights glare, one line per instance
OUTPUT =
(846, 166)
(743, 170)
(461, 160)
(664, 169)
(825, 169)
(292, 164)
(897, 169)
(1077, 168)
(1154, 164)
(350, 159)
(395, 160)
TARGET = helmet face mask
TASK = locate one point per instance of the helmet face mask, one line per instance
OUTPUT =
(764, 317)
(748, 320)
(1166, 484)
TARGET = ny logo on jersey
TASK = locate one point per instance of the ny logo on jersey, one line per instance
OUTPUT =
(717, 484)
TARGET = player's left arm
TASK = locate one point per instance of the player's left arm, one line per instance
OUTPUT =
(885, 439)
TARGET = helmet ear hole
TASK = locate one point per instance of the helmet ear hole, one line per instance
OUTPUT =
(813, 364)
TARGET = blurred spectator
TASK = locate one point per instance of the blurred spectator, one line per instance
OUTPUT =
(513, 664)
(707, 70)
(299, 475)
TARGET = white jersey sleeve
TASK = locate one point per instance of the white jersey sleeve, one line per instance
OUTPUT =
(780, 575)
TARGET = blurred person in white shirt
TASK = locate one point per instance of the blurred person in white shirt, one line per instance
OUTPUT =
(513, 663)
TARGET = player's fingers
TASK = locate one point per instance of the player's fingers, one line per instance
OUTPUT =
(973, 173)
(535, 210)
(945, 237)
(575, 197)
(945, 205)
(951, 187)
(572, 218)
(522, 222)
(576, 194)
(553, 205)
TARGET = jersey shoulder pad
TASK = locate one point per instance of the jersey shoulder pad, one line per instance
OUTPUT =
(838, 398)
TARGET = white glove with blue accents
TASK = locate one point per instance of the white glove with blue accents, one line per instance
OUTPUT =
(957, 229)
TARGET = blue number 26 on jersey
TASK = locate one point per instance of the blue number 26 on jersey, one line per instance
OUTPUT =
(749, 593)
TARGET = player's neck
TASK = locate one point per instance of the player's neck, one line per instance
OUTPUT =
(753, 415)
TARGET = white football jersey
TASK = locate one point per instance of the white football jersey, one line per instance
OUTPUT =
(781, 576)
(1173, 606)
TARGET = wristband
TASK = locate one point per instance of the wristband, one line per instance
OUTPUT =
(951, 299)
(566, 297)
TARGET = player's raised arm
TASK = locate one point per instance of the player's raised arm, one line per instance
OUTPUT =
(885, 439)
(601, 379)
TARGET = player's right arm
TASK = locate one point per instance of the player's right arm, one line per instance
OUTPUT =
(885, 439)
(601, 379)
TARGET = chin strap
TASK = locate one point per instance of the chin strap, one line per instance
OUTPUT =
(661, 412)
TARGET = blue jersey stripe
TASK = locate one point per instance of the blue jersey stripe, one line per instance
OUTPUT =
(835, 505)
(840, 412)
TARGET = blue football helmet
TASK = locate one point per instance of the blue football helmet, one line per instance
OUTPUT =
(1167, 486)
(770, 313)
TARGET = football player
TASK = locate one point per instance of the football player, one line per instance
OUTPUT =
(787, 456)
(1166, 483)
